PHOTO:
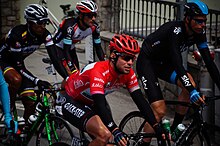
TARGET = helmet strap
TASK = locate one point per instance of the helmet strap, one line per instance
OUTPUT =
(30, 29)
(82, 20)
(114, 61)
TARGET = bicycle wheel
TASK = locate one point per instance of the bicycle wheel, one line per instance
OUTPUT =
(198, 137)
(63, 131)
(59, 144)
(132, 123)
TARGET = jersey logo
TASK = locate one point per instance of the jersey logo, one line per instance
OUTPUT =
(24, 34)
(186, 80)
(78, 83)
(69, 30)
(144, 81)
(177, 30)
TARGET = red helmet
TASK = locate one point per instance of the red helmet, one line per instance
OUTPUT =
(124, 44)
(86, 6)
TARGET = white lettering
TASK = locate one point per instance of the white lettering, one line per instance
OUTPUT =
(186, 80)
(98, 79)
(97, 85)
(177, 30)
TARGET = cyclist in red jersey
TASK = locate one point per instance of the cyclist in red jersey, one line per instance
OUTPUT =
(84, 104)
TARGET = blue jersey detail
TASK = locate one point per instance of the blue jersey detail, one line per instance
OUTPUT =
(202, 45)
(97, 41)
(67, 41)
(173, 77)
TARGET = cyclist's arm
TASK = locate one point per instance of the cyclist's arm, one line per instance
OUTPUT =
(143, 106)
(100, 106)
(4, 94)
(99, 51)
(56, 62)
(211, 66)
(97, 44)
(176, 59)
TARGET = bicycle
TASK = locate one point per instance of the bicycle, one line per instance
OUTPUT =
(194, 134)
(55, 128)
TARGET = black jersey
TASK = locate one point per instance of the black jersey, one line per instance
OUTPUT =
(168, 42)
(20, 43)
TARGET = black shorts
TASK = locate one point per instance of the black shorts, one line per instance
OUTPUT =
(75, 112)
(149, 71)
(26, 83)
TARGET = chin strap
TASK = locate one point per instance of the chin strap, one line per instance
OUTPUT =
(86, 25)
(114, 60)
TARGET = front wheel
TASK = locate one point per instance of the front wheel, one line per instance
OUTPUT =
(60, 131)
(132, 123)
(59, 144)
(198, 137)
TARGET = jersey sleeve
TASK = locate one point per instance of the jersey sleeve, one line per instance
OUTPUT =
(67, 31)
(176, 58)
(97, 82)
(132, 83)
(201, 41)
(96, 34)
(48, 39)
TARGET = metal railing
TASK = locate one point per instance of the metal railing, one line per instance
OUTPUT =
(139, 18)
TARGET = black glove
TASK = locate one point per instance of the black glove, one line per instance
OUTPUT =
(43, 84)
(159, 131)
(118, 135)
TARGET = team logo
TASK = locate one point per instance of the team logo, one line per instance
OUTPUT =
(177, 30)
(69, 30)
(78, 83)
(144, 81)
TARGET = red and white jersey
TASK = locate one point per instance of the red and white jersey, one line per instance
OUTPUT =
(98, 78)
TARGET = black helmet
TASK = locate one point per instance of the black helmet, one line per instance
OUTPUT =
(196, 7)
(36, 13)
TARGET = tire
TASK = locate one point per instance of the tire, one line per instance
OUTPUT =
(59, 144)
(132, 123)
(63, 131)
(198, 138)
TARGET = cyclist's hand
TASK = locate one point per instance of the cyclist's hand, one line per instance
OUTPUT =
(8, 120)
(196, 98)
(43, 85)
(119, 137)
(161, 135)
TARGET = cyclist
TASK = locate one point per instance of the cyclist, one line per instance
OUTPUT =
(5, 102)
(73, 30)
(21, 41)
(160, 57)
(84, 104)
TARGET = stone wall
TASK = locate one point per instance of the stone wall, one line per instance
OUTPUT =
(9, 15)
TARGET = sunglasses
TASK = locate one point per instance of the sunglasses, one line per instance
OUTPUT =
(126, 57)
(91, 15)
(200, 21)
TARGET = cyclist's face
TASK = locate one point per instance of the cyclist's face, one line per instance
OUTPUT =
(39, 29)
(89, 18)
(124, 63)
(198, 23)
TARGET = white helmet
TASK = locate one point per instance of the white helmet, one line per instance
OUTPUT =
(36, 13)
(86, 6)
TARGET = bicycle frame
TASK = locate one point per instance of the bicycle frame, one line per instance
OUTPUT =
(43, 118)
